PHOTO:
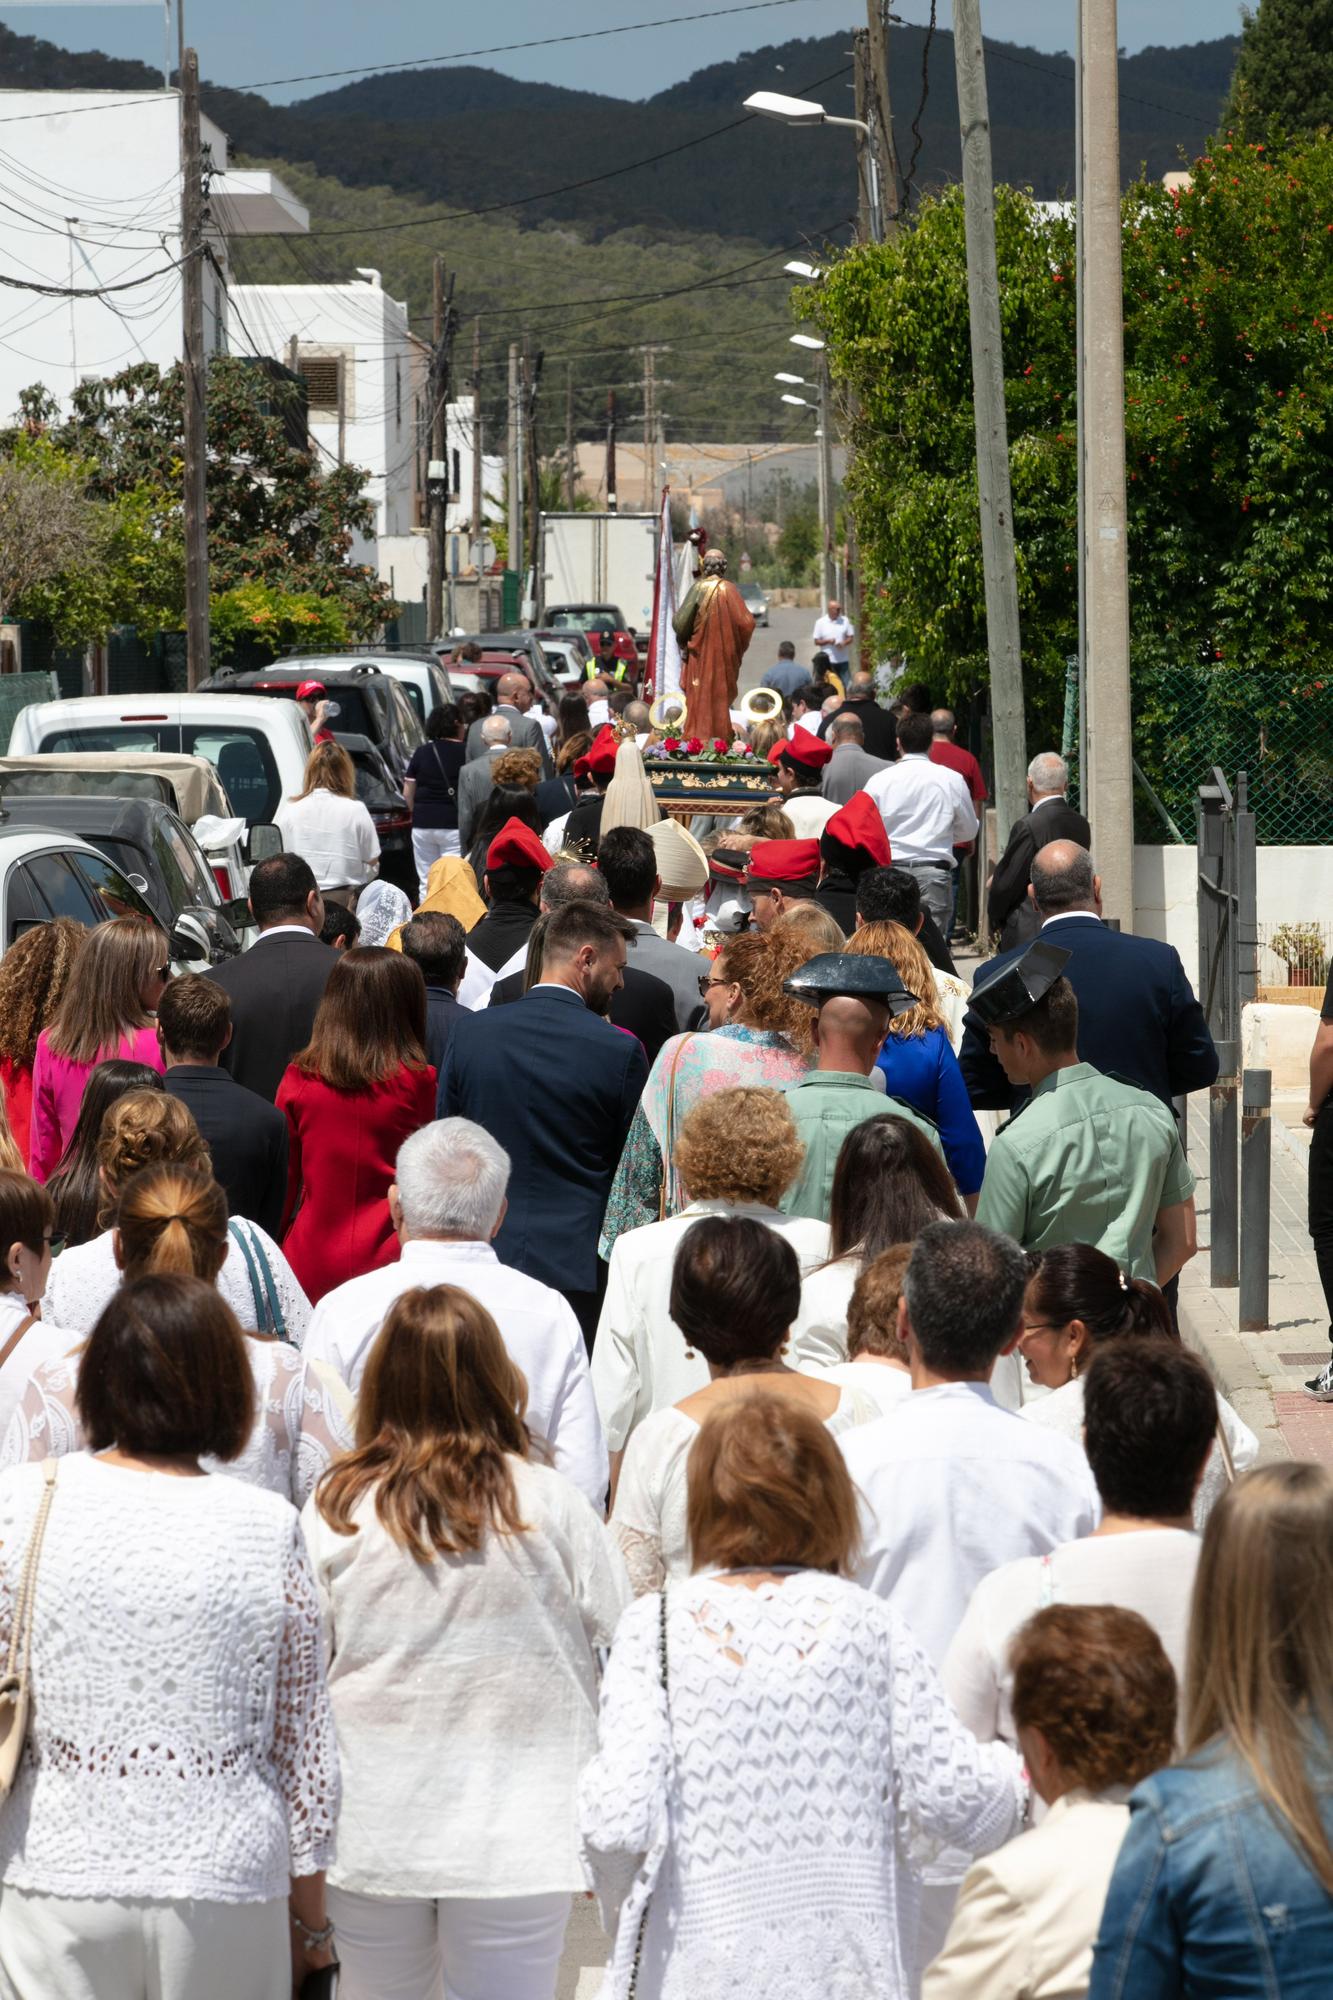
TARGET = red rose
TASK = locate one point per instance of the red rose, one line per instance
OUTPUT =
(720, 746)
(694, 745)
(671, 744)
(747, 749)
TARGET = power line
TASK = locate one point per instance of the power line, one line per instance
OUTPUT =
(92, 291)
(508, 48)
(920, 109)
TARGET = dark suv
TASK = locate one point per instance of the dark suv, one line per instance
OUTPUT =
(362, 702)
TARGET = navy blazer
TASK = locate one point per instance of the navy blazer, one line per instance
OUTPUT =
(556, 1086)
(1138, 1018)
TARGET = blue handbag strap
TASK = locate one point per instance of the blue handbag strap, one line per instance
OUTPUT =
(263, 1291)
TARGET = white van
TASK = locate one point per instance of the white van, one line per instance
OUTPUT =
(258, 747)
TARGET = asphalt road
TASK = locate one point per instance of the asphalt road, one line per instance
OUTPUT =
(763, 653)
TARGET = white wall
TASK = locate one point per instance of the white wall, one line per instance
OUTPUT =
(1292, 885)
(459, 431)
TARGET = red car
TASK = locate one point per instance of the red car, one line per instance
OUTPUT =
(592, 620)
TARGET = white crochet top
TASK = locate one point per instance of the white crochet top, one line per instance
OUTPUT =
(803, 1750)
(84, 1277)
(300, 1424)
(181, 1743)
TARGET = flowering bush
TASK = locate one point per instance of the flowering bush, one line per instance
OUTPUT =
(715, 752)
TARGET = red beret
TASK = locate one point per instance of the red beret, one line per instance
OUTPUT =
(517, 846)
(859, 824)
(601, 757)
(783, 861)
(810, 752)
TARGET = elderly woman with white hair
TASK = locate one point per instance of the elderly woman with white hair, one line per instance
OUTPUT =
(447, 1201)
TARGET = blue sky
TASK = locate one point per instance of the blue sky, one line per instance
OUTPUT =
(253, 41)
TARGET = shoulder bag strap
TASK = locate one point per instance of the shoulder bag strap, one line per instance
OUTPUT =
(242, 1241)
(669, 1146)
(25, 1597)
(632, 1989)
(440, 765)
(29, 1319)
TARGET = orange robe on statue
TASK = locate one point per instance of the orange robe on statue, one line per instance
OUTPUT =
(715, 627)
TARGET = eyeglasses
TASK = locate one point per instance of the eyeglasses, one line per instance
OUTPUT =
(706, 984)
(56, 1241)
(163, 972)
(1041, 1326)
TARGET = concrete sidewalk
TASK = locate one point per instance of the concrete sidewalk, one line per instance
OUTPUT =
(1263, 1373)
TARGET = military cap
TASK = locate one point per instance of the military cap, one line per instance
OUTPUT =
(837, 974)
(1017, 989)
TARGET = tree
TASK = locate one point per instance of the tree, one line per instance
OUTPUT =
(1283, 80)
(48, 525)
(276, 517)
(1229, 402)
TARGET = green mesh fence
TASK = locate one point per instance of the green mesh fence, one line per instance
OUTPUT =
(1277, 726)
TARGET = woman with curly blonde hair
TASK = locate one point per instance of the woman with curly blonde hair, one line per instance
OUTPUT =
(737, 1154)
(147, 1128)
(522, 768)
(917, 1060)
(34, 973)
(756, 1035)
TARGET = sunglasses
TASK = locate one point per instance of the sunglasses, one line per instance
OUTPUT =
(162, 972)
(705, 984)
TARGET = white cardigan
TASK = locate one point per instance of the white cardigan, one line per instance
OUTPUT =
(465, 1695)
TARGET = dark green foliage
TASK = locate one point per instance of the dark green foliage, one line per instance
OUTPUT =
(1283, 84)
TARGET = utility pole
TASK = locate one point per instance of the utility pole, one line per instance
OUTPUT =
(437, 472)
(825, 442)
(195, 376)
(1109, 797)
(514, 478)
(611, 451)
(997, 518)
(478, 533)
(571, 470)
(649, 427)
(532, 375)
(881, 120)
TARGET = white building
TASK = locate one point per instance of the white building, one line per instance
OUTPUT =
(90, 198)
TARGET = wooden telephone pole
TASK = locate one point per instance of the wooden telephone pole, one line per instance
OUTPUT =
(477, 530)
(611, 451)
(437, 472)
(196, 376)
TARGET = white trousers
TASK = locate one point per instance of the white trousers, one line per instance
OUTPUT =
(457, 1948)
(428, 844)
(99, 1948)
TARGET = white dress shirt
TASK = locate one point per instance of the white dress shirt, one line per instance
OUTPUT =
(538, 1327)
(833, 636)
(926, 808)
(336, 836)
(809, 813)
(950, 1489)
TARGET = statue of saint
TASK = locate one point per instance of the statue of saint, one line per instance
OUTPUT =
(715, 627)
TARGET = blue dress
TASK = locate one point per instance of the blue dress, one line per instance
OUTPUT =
(924, 1070)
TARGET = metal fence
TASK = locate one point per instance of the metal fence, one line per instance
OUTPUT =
(1276, 726)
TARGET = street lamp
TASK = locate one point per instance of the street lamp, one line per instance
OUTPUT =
(801, 401)
(802, 270)
(824, 464)
(797, 381)
(801, 111)
(810, 340)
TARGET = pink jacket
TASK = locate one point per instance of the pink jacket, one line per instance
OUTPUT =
(57, 1092)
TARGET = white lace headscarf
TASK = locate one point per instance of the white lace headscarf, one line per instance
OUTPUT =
(380, 909)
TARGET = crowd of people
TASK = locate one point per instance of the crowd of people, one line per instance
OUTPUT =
(566, 1389)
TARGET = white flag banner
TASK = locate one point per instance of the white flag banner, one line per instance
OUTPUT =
(663, 645)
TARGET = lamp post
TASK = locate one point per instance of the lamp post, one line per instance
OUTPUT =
(814, 345)
(800, 111)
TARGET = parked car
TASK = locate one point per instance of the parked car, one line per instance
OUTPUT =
(257, 747)
(421, 676)
(593, 620)
(45, 873)
(755, 599)
(508, 653)
(362, 702)
(569, 654)
(189, 785)
(378, 791)
(160, 859)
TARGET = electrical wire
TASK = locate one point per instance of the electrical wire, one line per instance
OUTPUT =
(92, 291)
(920, 111)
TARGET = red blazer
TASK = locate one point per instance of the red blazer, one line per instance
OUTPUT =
(341, 1151)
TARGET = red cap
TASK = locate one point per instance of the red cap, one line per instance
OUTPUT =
(859, 824)
(309, 690)
(783, 861)
(517, 846)
(601, 758)
(811, 753)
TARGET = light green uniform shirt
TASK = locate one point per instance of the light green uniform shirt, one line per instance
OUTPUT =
(826, 1104)
(1088, 1160)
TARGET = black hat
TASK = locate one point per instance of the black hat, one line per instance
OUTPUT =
(1017, 989)
(834, 974)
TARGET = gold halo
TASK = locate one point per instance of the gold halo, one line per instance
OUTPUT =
(836, 680)
(656, 716)
(752, 711)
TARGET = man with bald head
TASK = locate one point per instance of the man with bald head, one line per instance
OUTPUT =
(1012, 918)
(1138, 1019)
(514, 699)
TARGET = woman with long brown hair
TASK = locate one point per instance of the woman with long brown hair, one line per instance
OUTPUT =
(360, 1086)
(327, 825)
(1224, 1884)
(171, 1221)
(464, 1587)
(34, 973)
(107, 1009)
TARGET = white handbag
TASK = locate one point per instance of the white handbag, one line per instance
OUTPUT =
(15, 1694)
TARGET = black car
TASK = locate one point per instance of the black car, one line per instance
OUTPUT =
(529, 657)
(159, 857)
(379, 794)
(362, 702)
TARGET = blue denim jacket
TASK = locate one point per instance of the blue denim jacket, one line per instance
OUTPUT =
(1210, 1898)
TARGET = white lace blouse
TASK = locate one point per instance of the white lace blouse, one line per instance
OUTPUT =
(648, 1519)
(83, 1279)
(801, 1764)
(181, 1745)
(299, 1425)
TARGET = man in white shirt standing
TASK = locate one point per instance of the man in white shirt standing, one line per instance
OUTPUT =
(927, 812)
(833, 634)
(447, 1202)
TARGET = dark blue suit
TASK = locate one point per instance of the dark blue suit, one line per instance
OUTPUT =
(1138, 1018)
(556, 1086)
